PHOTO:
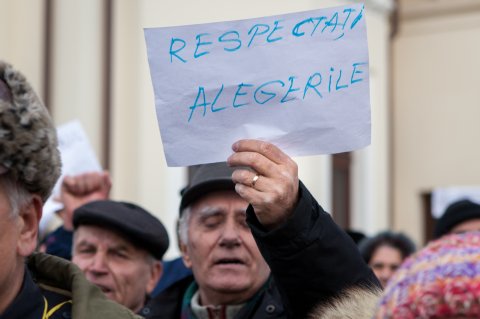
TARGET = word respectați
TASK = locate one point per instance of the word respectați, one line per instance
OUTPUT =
(183, 50)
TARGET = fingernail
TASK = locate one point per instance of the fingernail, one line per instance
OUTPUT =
(235, 146)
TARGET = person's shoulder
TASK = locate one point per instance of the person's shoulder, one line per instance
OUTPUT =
(65, 284)
(176, 290)
(167, 304)
(98, 307)
(58, 302)
(173, 271)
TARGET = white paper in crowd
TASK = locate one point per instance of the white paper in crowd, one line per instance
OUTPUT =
(77, 156)
(300, 81)
(442, 197)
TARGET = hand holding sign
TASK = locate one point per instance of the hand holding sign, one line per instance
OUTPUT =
(299, 81)
(272, 187)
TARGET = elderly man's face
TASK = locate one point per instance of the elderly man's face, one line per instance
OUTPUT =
(221, 251)
(9, 261)
(123, 272)
(18, 236)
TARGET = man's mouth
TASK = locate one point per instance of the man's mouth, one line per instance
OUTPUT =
(105, 289)
(229, 261)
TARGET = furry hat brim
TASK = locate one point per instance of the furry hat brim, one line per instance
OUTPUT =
(28, 140)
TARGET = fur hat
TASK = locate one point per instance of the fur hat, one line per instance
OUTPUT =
(28, 140)
(353, 303)
(440, 281)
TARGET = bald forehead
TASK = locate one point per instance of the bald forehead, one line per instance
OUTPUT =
(5, 93)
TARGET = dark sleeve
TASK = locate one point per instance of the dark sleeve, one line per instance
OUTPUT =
(311, 258)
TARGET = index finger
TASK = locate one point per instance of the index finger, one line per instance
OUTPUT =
(267, 149)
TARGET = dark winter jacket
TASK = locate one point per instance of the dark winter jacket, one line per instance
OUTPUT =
(311, 259)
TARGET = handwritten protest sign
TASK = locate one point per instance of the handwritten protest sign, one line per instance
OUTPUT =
(300, 81)
(77, 157)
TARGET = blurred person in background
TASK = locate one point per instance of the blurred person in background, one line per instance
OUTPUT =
(459, 217)
(75, 191)
(385, 252)
(81, 189)
(119, 247)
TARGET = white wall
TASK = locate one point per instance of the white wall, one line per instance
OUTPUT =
(371, 209)
(138, 166)
(77, 66)
(436, 104)
(22, 38)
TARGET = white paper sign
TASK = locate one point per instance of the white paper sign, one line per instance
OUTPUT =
(300, 81)
(77, 157)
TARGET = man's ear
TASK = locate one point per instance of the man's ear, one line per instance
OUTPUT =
(156, 271)
(28, 219)
(185, 255)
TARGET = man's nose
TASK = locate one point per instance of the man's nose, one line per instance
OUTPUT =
(230, 236)
(386, 273)
(99, 264)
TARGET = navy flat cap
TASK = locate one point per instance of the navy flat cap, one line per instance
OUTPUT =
(138, 226)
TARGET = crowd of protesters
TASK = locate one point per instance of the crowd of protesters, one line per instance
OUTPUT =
(254, 242)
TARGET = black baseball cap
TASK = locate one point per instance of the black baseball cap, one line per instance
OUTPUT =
(207, 178)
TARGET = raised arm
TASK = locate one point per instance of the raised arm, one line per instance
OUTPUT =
(311, 258)
(271, 184)
(80, 189)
